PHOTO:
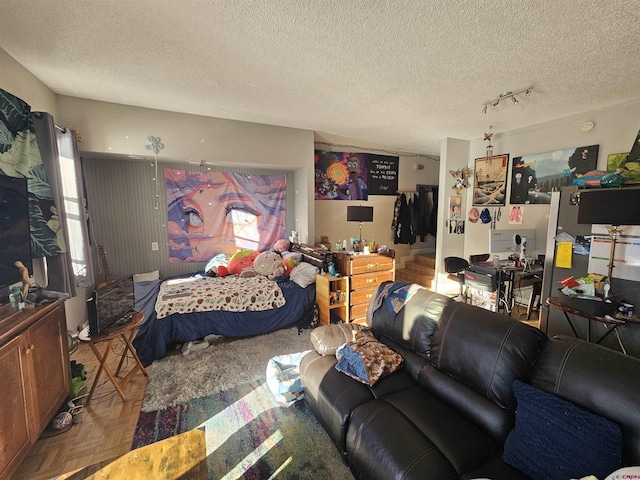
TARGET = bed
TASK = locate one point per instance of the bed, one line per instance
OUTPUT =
(179, 322)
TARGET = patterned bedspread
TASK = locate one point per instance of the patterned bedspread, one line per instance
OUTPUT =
(229, 293)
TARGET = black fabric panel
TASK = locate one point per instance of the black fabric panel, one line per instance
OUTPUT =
(597, 379)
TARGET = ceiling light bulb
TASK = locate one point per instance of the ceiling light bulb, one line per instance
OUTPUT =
(495, 104)
(528, 92)
(515, 100)
(484, 110)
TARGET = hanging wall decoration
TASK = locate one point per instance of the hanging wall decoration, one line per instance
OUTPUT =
(20, 157)
(454, 207)
(534, 176)
(216, 213)
(490, 180)
(340, 175)
(461, 178)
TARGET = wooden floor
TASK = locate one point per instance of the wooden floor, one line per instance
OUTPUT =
(105, 432)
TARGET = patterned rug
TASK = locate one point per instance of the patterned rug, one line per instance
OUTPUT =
(250, 435)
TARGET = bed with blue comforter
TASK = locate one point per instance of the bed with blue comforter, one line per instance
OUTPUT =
(156, 334)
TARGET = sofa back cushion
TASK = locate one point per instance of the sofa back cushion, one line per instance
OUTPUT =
(485, 350)
(597, 379)
(413, 326)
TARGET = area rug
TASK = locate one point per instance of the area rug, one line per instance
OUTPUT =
(250, 435)
(176, 379)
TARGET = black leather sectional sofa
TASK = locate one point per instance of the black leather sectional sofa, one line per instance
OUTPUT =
(447, 412)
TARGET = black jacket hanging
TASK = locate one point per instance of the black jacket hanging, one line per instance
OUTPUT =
(404, 234)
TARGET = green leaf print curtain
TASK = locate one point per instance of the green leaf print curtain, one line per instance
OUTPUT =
(20, 157)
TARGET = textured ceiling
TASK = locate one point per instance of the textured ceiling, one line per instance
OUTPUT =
(392, 74)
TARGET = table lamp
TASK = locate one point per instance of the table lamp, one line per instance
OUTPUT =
(614, 209)
(359, 214)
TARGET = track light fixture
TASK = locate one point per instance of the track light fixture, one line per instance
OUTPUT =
(504, 95)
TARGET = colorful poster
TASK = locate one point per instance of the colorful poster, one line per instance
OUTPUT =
(490, 180)
(340, 175)
(221, 212)
(533, 177)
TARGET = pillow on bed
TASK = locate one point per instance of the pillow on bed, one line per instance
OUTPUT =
(328, 338)
(304, 274)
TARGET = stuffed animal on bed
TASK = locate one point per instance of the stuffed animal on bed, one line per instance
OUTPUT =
(289, 264)
(242, 260)
(269, 264)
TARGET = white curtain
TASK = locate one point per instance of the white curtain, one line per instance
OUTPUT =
(62, 164)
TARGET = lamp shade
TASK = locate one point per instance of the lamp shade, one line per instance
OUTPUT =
(610, 207)
(359, 214)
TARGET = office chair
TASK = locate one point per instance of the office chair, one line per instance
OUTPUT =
(455, 267)
(482, 257)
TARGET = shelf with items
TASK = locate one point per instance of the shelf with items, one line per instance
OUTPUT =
(332, 297)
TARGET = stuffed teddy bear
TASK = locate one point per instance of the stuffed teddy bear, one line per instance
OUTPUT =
(269, 264)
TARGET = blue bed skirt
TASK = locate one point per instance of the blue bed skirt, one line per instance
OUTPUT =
(156, 334)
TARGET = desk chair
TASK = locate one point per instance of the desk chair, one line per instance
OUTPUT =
(482, 257)
(455, 267)
(536, 297)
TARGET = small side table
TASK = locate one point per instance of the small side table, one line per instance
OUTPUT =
(614, 323)
(125, 332)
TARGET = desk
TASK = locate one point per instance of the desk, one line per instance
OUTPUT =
(613, 322)
(508, 279)
(125, 332)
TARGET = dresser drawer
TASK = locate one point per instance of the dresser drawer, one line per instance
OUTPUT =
(370, 263)
(362, 295)
(370, 279)
(358, 312)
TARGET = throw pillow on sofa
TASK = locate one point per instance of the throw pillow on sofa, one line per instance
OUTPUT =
(328, 338)
(366, 359)
(553, 439)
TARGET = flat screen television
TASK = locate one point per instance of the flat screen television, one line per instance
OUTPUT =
(15, 237)
(109, 304)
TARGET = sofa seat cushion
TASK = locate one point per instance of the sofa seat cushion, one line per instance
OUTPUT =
(555, 440)
(383, 444)
(332, 395)
(495, 468)
(432, 426)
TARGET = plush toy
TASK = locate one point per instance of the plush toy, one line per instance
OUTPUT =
(289, 263)
(269, 264)
(282, 245)
(241, 260)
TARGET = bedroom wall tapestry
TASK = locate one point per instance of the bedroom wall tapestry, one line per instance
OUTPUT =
(533, 177)
(490, 180)
(20, 157)
(340, 175)
(211, 213)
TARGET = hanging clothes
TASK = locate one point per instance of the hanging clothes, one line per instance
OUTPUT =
(403, 230)
(394, 222)
(432, 226)
(424, 212)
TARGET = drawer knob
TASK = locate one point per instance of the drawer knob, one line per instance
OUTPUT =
(372, 280)
(369, 295)
(28, 348)
(372, 265)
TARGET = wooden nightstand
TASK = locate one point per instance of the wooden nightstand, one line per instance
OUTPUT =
(366, 273)
(332, 297)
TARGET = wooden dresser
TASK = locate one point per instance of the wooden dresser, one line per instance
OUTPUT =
(35, 378)
(366, 273)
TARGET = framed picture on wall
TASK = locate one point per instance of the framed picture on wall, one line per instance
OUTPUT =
(534, 176)
(490, 180)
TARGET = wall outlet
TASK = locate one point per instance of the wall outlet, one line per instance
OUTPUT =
(154, 246)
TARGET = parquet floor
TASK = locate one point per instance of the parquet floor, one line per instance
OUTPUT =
(106, 430)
